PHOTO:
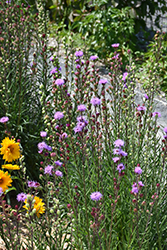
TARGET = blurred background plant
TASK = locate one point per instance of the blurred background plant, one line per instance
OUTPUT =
(156, 54)
(105, 26)
(98, 24)
(82, 14)
(102, 22)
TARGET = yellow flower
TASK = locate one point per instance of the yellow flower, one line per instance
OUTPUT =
(5, 180)
(11, 167)
(38, 205)
(10, 150)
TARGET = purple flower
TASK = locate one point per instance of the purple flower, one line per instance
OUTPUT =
(116, 151)
(96, 196)
(57, 126)
(21, 197)
(135, 189)
(59, 173)
(165, 130)
(82, 122)
(146, 96)
(58, 115)
(156, 114)
(93, 58)
(31, 64)
(78, 66)
(141, 108)
(82, 119)
(138, 170)
(63, 136)
(115, 45)
(43, 134)
(77, 129)
(49, 148)
(103, 81)
(125, 74)
(123, 153)
(58, 163)
(116, 159)
(53, 71)
(36, 184)
(81, 125)
(119, 143)
(9, 1)
(95, 101)
(120, 167)
(4, 119)
(116, 56)
(33, 184)
(42, 146)
(140, 184)
(51, 58)
(79, 53)
(165, 137)
(48, 169)
(81, 108)
(59, 82)
(134, 184)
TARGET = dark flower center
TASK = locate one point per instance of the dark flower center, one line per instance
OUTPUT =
(1, 180)
(11, 148)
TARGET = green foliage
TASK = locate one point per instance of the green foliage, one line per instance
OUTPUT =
(105, 26)
(142, 9)
(156, 55)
